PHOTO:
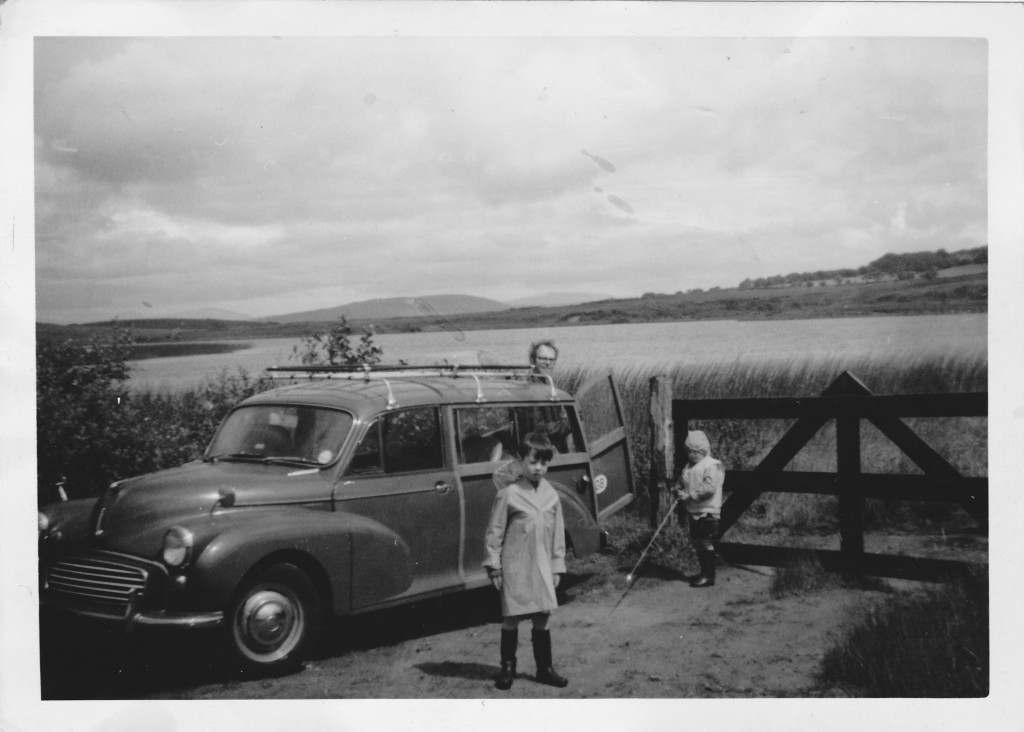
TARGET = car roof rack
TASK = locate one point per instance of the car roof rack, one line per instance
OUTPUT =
(383, 372)
(376, 370)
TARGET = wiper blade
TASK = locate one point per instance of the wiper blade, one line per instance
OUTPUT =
(238, 456)
(290, 460)
(266, 459)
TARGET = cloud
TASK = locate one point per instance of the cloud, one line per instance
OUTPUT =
(257, 170)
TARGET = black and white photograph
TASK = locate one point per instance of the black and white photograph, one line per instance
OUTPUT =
(537, 363)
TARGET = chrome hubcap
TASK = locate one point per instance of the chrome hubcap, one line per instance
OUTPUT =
(269, 621)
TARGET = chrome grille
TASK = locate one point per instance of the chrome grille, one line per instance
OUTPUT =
(102, 584)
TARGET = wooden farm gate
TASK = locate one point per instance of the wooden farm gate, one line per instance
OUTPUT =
(847, 401)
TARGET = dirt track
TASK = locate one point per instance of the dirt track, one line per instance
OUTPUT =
(664, 640)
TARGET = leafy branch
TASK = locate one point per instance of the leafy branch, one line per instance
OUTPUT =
(334, 346)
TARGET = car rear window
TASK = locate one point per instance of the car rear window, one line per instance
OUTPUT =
(492, 434)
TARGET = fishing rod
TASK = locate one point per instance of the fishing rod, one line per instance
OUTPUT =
(632, 575)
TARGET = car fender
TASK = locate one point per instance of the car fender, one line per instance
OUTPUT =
(360, 561)
(584, 532)
(69, 522)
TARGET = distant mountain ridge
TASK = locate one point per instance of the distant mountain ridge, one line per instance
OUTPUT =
(556, 299)
(209, 314)
(395, 307)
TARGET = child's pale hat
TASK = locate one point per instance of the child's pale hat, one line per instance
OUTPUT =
(697, 440)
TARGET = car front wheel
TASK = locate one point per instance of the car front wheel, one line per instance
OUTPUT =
(273, 618)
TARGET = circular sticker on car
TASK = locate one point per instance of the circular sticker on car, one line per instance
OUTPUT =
(600, 484)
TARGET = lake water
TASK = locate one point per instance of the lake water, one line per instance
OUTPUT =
(620, 346)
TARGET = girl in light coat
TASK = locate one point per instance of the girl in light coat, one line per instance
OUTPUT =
(525, 544)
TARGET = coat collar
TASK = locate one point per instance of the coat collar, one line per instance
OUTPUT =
(534, 496)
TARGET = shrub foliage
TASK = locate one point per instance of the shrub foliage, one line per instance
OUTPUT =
(334, 347)
(81, 437)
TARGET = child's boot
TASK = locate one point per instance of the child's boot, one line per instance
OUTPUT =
(542, 655)
(706, 578)
(509, 643)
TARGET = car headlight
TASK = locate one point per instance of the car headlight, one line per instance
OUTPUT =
(177, 549)
(44, 522)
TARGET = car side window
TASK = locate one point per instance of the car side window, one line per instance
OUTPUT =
(400, 442)
(367, 459)
(560, 424)
(485, 434)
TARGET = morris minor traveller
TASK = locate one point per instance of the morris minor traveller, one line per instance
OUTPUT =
(341, 492)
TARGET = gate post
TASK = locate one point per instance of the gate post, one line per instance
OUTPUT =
(662, 445)
(851, 494)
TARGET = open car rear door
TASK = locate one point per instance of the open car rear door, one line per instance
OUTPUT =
(610, 454)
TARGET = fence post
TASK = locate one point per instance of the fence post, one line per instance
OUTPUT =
(662, 444)
(851, 498)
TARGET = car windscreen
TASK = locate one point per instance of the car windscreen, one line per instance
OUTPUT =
(271, 432)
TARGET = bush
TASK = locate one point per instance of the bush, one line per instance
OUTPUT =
(80, 399)
(917, 644)
(333, 347)
(91, 430)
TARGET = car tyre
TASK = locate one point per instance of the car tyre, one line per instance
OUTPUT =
(273, 619)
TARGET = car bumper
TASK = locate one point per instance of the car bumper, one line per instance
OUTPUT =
(156, 619)
(171, 619)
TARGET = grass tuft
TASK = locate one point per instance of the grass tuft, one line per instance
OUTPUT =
(670, 554)
(931, 643)
(805, 574)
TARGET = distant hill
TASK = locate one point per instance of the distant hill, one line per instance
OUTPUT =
(556, 299)
(395, 307)
(888, 266)
(210, 314)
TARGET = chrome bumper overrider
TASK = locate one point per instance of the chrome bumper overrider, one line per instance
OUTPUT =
(171, 619)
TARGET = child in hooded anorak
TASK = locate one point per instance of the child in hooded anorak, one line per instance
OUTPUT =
(700, 490)
(525, 544)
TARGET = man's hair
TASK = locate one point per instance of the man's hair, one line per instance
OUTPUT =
(537, 443)
(535, 346)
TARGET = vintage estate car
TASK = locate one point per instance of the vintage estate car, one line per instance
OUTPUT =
(341, 492)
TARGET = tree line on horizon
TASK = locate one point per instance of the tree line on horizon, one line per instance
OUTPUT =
(900, 266)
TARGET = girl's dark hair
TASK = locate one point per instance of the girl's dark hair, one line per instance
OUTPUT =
(537, 443)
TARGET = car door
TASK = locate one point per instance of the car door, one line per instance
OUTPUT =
(485, 442)
(600, 409)
(400, 478)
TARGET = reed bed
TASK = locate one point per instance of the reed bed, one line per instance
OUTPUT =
(742, 444)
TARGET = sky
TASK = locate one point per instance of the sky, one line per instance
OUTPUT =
(269, 175)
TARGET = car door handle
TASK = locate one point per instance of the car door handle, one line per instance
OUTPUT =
(442, 486)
